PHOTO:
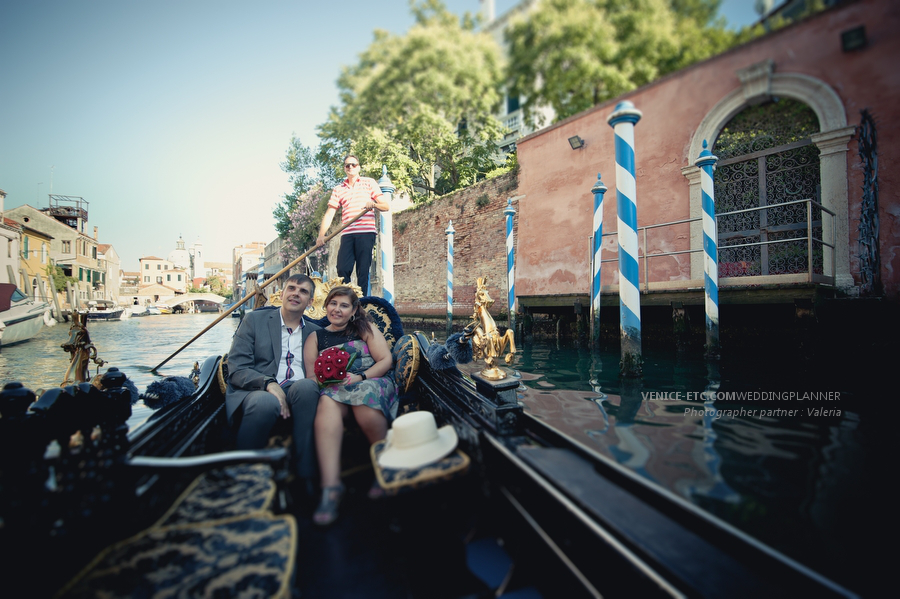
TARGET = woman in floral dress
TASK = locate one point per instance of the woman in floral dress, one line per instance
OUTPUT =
(368, 390)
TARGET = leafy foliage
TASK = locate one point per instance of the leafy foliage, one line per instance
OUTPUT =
(421, 103)
(304, 224)
(298, 164)
(217, 285)
(59, 277)
(571, 55)
(298, 216)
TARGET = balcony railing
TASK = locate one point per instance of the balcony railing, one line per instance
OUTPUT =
(789, 250)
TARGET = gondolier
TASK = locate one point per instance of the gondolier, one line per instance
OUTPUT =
(354, 195)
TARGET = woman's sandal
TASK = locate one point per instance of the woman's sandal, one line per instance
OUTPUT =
(327, 511)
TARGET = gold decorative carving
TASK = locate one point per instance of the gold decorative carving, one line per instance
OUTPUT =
(487, 342)
(316, 309)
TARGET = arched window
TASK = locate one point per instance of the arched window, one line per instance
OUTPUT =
(766, 161)
(766, 98)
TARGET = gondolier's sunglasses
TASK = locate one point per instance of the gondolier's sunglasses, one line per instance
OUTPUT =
(350, 165)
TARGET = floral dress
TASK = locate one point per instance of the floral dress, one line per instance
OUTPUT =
(378, 393)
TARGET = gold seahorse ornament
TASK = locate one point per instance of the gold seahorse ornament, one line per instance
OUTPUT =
(487, 342)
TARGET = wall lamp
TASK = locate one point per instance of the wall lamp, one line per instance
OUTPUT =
(576, 142)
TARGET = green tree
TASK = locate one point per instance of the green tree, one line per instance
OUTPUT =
(305, 219)
(298, 164)
(571, 55)
(216, 285)
(421, 103)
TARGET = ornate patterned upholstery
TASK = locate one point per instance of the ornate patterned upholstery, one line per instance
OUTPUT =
(406, 363)
(397, 481)
(219, 536)
(385, 318)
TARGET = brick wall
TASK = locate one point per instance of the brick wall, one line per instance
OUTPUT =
(420, 250)
(479, 249)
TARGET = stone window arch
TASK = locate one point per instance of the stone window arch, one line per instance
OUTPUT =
(767, 159)
(759, 84)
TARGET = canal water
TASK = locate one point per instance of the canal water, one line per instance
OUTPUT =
(781, 444)
(134, 346)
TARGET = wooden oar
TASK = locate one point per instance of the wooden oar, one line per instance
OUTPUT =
(261, 287)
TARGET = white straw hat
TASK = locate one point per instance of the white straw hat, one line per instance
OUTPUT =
(415, 441)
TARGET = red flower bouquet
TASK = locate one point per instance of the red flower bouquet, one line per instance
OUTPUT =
(332, 365)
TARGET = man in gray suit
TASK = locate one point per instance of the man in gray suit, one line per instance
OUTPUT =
(267, 377)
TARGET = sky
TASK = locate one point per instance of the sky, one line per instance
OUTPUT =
(171, 118)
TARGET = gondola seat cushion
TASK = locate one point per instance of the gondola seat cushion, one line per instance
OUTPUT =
(218, 539)
(395, 481)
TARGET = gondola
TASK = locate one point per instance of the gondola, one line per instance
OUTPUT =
(572, 524)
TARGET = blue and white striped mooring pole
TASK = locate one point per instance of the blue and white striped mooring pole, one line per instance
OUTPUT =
(450, 233)
(706, 162)
(261, 273)
(510, 212)
(623, 120)
(260, 279)
(387, 238)
(599, 189)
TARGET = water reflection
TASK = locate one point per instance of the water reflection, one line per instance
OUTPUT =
(727, 437)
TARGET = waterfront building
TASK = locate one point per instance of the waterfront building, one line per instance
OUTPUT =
(148, 295)
(71, 248)
(35, 260)
(798, 94)
(245, 258)
(11, 234)
(108, 259)
(129, 283)
(808, 82)
(157, 271)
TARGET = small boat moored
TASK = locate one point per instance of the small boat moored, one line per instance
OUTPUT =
(20, 318)
(104, 310)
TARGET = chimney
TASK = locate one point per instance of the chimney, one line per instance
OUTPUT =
(95, 233)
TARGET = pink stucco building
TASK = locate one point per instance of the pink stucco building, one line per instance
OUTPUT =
(782, 113)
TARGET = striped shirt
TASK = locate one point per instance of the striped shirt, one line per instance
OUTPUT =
(352, 201)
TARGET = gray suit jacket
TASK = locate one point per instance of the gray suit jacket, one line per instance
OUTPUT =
(255, 353)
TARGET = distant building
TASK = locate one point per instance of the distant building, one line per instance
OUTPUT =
(151, 294)
(180, 257)
(198, 266)
(35, 261)
(245, 258)
(224, 271)
(156, 271)
(71, 249)
(511, 115)
(11, 234)
(274, 261)
(110, 262)
(129, 283)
